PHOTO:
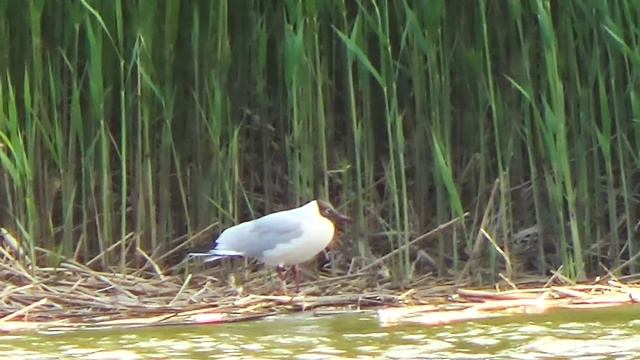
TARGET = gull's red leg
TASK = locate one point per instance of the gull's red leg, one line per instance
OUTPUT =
(282, 274)
(296, 274)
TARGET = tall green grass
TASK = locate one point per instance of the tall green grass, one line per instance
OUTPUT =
(127, 126)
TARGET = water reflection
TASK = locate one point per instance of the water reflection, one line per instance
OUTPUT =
(562, 334)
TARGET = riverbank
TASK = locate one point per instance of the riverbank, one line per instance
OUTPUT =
(72, 296)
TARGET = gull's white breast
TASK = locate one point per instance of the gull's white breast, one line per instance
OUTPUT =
(317, 233)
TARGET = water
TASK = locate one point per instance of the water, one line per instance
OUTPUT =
(594, 334)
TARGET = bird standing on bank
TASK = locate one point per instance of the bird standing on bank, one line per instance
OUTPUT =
(284, 238)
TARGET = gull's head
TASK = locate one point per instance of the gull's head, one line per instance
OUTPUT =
(330, 213)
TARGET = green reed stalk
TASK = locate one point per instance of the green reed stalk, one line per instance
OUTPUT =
(501, 146)
(555, 118)
(16, 136)
(394, 124)
(359, 141)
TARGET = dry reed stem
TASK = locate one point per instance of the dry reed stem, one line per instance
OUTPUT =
(428, 234)
(477, 245)
(183, 244)
(24, 310)
(101, 255)
(150, 261)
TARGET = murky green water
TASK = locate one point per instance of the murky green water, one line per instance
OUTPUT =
(599, 334)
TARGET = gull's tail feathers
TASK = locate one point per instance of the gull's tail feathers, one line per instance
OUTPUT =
(214, 254)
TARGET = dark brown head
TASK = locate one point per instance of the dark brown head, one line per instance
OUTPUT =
(330, 213)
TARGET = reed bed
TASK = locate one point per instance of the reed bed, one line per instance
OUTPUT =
(72, 296)
(469, 305)
(127, 127)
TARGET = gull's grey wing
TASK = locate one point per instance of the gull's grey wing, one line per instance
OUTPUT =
(267, 232)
